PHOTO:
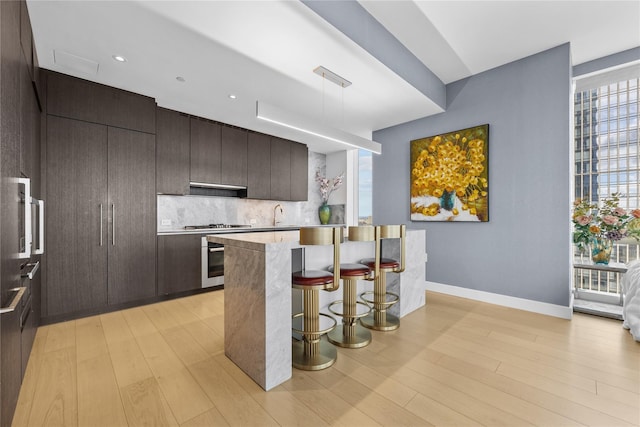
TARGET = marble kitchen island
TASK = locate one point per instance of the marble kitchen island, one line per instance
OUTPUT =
(258, 294)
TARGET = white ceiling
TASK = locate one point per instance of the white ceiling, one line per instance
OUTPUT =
(267, 50)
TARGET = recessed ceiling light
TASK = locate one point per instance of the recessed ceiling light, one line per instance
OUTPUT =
(232, 96)
(180, 79)
(119, 58)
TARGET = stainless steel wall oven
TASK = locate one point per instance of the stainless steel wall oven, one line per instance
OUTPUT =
(212, 264)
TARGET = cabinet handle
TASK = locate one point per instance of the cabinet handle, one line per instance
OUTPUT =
(16, 299)
(28, 238)
(113, 226)
(34, 267)
(40, 249)
(101, 224)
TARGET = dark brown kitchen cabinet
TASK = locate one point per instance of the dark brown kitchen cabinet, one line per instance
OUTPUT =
(280, 169)
(26, 38)
(206, 148)
(14, 105)
(179, 263)
(258, 166)
(29, 126)
(100, 218)
(77, 209)
(233, 156)
(299, 172)
(92, 102)
(173, 152)
(132, 204)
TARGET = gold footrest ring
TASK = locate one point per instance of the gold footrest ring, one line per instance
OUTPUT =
(373, 302)
(355, 316)
(320, 332)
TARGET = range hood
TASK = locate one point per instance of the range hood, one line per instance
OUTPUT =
(219, 186)
(218, 190)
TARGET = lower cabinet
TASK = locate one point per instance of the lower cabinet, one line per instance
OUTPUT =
(179, 263)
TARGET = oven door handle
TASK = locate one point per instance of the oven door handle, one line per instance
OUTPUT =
(34, 267)
(216, 249)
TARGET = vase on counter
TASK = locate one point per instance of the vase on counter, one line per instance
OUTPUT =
(601, 250)
(324, 213)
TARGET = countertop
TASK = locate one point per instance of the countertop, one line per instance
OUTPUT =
(259, 241)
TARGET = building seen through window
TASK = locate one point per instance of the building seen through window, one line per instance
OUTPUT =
(606, 161)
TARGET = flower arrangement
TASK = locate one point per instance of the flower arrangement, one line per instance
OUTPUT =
(328, 185)
(607, 222)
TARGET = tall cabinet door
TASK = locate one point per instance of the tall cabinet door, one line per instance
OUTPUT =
(132, 201)
(76, 215)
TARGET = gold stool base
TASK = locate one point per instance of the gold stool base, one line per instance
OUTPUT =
(359, 337)
(385, 322)
(325, 357)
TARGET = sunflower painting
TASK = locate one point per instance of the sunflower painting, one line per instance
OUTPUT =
(449, 176)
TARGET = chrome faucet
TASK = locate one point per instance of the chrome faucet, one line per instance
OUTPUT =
(275, 213)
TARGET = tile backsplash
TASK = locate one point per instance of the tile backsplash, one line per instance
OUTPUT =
(175, 212)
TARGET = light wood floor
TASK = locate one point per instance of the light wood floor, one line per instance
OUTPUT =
(454, 362)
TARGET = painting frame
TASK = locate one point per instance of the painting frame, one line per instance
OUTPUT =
(449, 176)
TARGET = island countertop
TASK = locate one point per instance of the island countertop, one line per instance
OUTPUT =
(259, 241)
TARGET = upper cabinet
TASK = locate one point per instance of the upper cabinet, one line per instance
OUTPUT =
(92, 102)
(196, 150)
(277, 168)
(280, 169)
(258, 166)
(234, 156)
(218, 154)
(172, 151)
(289, 164)
(299, 174)
(26, 37)
(206, 147)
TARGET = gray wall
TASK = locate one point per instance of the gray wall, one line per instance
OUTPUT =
(524, 249)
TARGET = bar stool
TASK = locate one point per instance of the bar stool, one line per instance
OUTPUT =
(312, 354)
(379, 319)
(350, 334)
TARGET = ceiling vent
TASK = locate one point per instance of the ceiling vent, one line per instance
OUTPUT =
(76, 63)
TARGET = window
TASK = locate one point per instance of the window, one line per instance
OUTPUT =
(365, 191)
(606, 161)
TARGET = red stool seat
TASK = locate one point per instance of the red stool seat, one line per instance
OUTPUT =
(352, 270)
(384, 263)
(307, 278)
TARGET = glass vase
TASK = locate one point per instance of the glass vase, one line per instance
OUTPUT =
(324, 213)
(601, 250)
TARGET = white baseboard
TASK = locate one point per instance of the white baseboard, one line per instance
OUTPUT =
(503, 300)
